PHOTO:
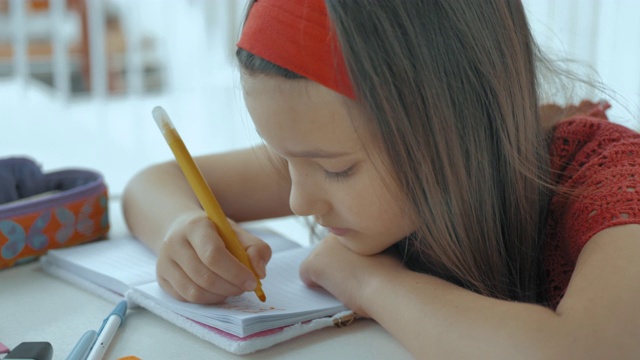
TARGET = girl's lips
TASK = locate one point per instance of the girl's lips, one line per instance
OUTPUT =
(338, 231)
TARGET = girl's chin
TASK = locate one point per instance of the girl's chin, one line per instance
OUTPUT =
(358, 247)
(362, 244)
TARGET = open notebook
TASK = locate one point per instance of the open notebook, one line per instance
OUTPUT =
(124, 268)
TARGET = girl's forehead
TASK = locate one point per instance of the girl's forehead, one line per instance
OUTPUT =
(271, 96)
(290, 90)
(299, 116)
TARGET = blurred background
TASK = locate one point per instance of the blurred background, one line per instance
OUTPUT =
(78, 78)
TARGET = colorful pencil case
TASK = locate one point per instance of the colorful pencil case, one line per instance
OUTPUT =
(41, 211)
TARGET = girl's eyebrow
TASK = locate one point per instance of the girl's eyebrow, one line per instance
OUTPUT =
(316, 154)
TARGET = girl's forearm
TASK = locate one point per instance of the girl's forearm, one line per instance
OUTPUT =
(155, 198)
(442, 321)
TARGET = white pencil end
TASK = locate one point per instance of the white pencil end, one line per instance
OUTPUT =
(162, 119)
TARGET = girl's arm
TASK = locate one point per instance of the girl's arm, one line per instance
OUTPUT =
(597, 318)
(162, 211)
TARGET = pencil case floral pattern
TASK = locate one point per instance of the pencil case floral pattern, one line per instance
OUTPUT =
(41, 211)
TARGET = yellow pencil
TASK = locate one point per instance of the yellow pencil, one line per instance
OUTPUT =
(203, 192)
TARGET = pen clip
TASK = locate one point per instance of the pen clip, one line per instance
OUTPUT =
(119, 311)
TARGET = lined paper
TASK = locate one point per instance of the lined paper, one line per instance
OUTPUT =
(116, 264)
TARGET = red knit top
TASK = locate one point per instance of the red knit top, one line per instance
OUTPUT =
(599, 163)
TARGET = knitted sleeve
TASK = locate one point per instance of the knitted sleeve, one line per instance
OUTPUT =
(596, 166)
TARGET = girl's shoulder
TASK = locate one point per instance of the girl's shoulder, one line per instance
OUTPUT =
(596, 168)
(590, 138)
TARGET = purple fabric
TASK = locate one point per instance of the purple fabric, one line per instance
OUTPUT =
(21, 177)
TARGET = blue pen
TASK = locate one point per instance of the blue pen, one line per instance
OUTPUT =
(82, 348)
(107, 331)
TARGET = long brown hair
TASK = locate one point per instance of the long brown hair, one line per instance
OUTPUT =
(451, 89)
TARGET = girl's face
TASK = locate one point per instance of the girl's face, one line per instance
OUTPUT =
(333, 177)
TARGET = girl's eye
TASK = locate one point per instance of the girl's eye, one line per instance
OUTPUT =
(338, 176)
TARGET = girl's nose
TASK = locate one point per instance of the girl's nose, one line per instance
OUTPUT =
(306, 198)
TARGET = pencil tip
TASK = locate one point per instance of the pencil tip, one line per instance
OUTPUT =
(261, 295)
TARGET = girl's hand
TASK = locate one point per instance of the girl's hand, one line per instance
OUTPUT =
(195, 266)
(550, 114)
(350, 277)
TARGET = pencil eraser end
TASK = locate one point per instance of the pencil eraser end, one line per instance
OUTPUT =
(162, 118)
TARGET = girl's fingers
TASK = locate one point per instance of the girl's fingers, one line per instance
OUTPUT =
(258, 251)
(177, 284)
(194, 264)
(211, 251)
(202, 276)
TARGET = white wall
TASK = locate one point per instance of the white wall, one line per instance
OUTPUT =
(118, 136)
(603, 36)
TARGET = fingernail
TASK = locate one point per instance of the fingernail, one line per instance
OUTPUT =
(250, 285)
(261, 270)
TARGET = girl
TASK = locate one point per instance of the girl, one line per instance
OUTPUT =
(469, 222)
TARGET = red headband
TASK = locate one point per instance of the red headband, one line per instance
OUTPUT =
(297, 35)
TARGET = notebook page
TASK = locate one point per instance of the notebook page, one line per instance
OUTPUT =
(116, 264)
(289, 300)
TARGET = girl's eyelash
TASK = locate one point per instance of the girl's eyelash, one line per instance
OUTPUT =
(338, 176)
